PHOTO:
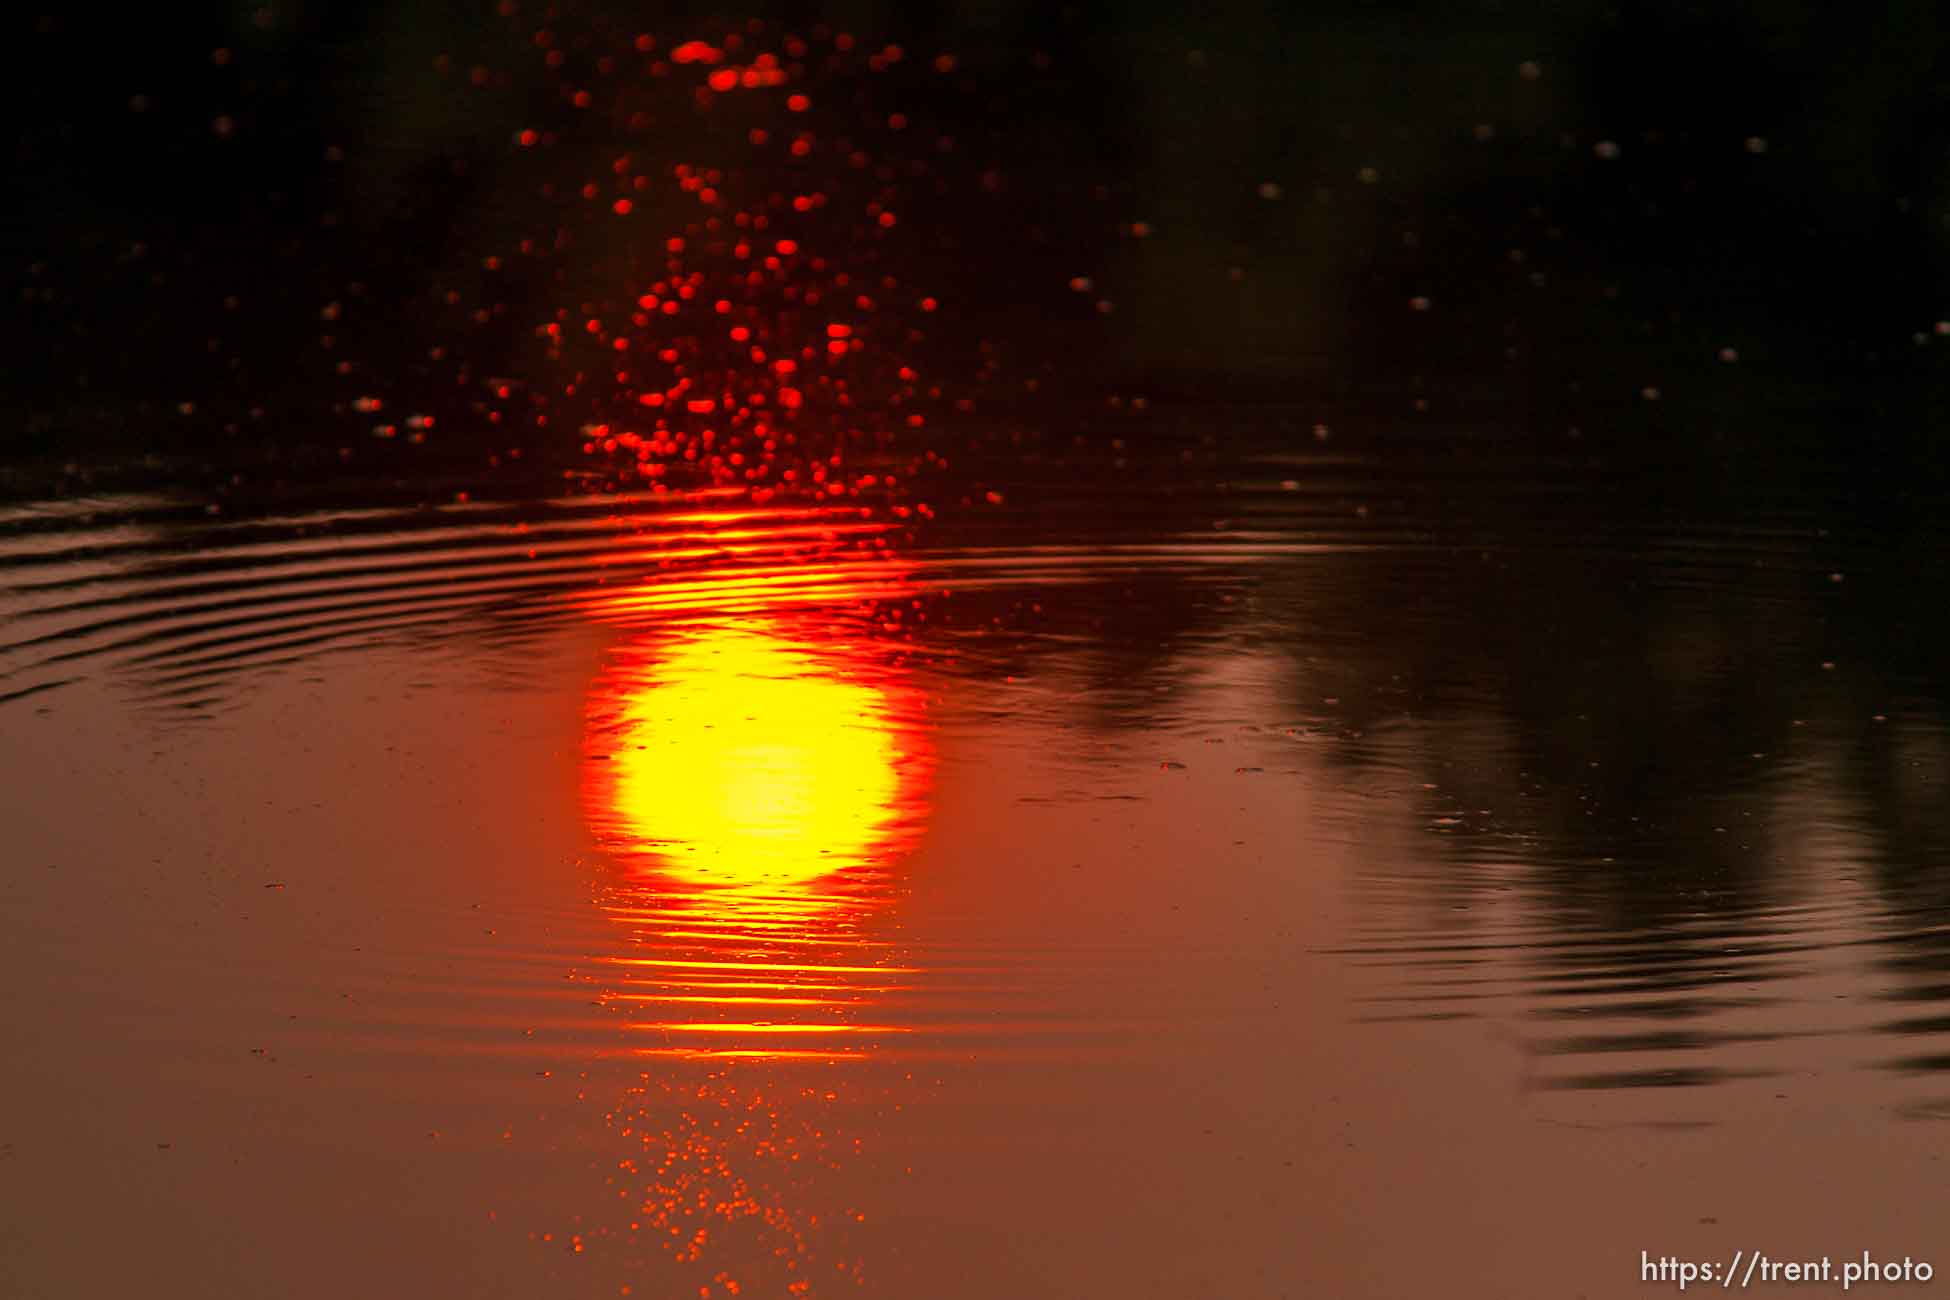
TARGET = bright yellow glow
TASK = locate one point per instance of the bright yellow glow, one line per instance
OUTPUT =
(757, 782)
(741, 763)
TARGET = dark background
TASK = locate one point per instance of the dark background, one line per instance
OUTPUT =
(1546, 221)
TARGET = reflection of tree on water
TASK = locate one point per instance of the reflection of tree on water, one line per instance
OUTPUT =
(1903, 768)
(1633, 743)
(1639, 710)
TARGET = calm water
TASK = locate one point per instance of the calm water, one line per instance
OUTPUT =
(1294, 873)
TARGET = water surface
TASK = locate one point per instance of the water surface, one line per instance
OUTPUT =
(1277, 872)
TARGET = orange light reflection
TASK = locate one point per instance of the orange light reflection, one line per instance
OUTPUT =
(757, 783)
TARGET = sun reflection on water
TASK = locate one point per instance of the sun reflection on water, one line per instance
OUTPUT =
(756, 783)
(749, 767)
